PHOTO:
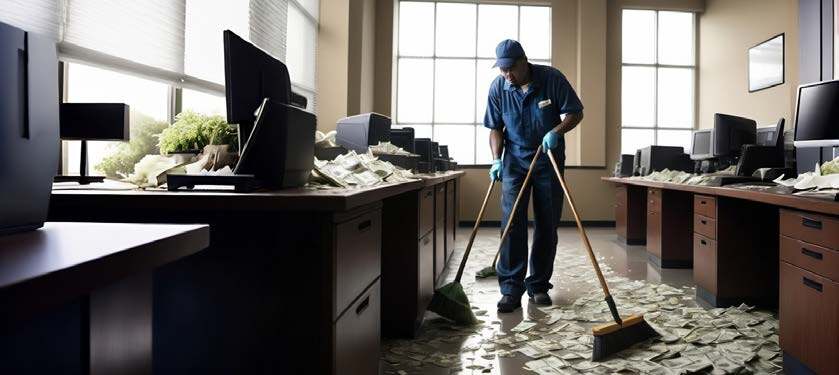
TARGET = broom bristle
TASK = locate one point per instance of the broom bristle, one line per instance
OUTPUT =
(450, 302)
(615, 338)
(485, 273)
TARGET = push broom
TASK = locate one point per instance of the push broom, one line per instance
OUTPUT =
(450, 301)
(612, 337)
(490, 271)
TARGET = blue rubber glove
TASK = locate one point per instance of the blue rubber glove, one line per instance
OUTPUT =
(550, 141)
(495, 170)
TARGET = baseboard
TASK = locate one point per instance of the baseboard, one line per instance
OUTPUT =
(586, 223)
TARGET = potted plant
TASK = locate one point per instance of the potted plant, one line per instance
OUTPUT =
(192, 131)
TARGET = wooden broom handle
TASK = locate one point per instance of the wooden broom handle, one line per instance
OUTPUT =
(516, 205)
(474, 232)
(580, 225)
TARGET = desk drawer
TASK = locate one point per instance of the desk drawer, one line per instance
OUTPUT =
(705, 226)
(816, 259)
(426, 210)
(653, 200)
(705, 263)
(809, 318)
(357, 258)
(705, 206)
(811, 228)
(357, 335)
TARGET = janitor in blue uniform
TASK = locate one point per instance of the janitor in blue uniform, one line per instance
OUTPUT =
(529, 105)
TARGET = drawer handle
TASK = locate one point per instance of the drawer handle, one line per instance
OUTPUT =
(703, 202)
(703, 222)
(365, 225)
(812, 254)
(812, 284)
(811, 223)
(364, 304)
(429, 193)
(703, 242)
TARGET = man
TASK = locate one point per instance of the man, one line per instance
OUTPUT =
(523, 112)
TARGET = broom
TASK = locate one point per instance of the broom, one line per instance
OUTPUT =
(490, 271)
(450, 301)
(612, 337)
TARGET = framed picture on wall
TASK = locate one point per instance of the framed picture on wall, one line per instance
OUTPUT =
(766, 64)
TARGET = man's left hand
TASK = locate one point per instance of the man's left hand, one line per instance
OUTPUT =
(550, 141)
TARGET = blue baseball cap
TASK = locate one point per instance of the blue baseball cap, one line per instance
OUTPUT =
(507, 52)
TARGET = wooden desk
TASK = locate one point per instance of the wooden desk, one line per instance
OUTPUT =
(289, 284)
(77, 297)
(748, 242)
(418, 233)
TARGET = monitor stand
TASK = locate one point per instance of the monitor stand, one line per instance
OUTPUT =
(82, 178)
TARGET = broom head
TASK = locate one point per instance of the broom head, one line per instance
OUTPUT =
(612, 338)
(450, 302)
(486, 272)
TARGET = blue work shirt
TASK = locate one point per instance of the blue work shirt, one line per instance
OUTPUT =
(527, 117)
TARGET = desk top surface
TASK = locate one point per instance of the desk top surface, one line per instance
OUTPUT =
(769, 196)
(289, 199)
(94, 247)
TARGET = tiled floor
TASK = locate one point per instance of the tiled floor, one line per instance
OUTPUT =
(442, 348)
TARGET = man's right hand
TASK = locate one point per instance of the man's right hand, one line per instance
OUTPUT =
(495, 170)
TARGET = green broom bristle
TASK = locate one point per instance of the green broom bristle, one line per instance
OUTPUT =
(613, 342)
(485, 273)
(450, 302)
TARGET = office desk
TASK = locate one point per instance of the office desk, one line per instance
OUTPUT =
(77, 297)
(289, 284)
(418, 230)
(771, 248)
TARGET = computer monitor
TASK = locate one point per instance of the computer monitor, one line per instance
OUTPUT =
(771, 135)
(251, 75)
(700, 145)
(29, 128)
(403, 138)
(731, 133)
(280, 149)
(361, 131)
(817, 115)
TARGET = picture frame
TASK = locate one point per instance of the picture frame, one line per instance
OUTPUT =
(766, 63)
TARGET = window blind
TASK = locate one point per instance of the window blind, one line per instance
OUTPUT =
(38, 16)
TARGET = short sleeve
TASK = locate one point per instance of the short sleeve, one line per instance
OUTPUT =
(566, 98)
(492, 117)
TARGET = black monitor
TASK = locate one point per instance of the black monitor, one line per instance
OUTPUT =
(251, 75)
(771, 135)
(28, 127)
(700, 145)
(361, 131)
(403, 138)
(817, 115)
(280, 149)
(731, 133)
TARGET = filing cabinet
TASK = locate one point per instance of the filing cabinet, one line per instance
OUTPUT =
(631, 202)
(809, 290)
(669, 228)
(439, 230)
(451, 221)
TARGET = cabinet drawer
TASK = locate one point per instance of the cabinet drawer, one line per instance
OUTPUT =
(654, 233)
(357, 258)
(426, 208)
(357, 335)
(654, 200)
(705, 206)
(705, 226)
(705, 263)
(811, 228)
(816, 259)
(620, 195)
(808, 314)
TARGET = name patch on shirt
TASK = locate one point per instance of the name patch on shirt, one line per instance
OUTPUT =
(544, 103)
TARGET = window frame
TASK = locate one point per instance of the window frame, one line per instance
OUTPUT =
(694, 66)
(476, 58)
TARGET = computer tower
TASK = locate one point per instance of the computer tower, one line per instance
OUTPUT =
(624, 166)
(423, 147)
(361, 131)
(636, 163)
(29, 123)
(658, 158)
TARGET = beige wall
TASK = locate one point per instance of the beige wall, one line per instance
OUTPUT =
(728, 28)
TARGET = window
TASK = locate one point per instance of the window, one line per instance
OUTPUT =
(658, 81)
(444, 67)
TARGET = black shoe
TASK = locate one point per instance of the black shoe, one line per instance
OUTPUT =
(508, 304)
(541, 299)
